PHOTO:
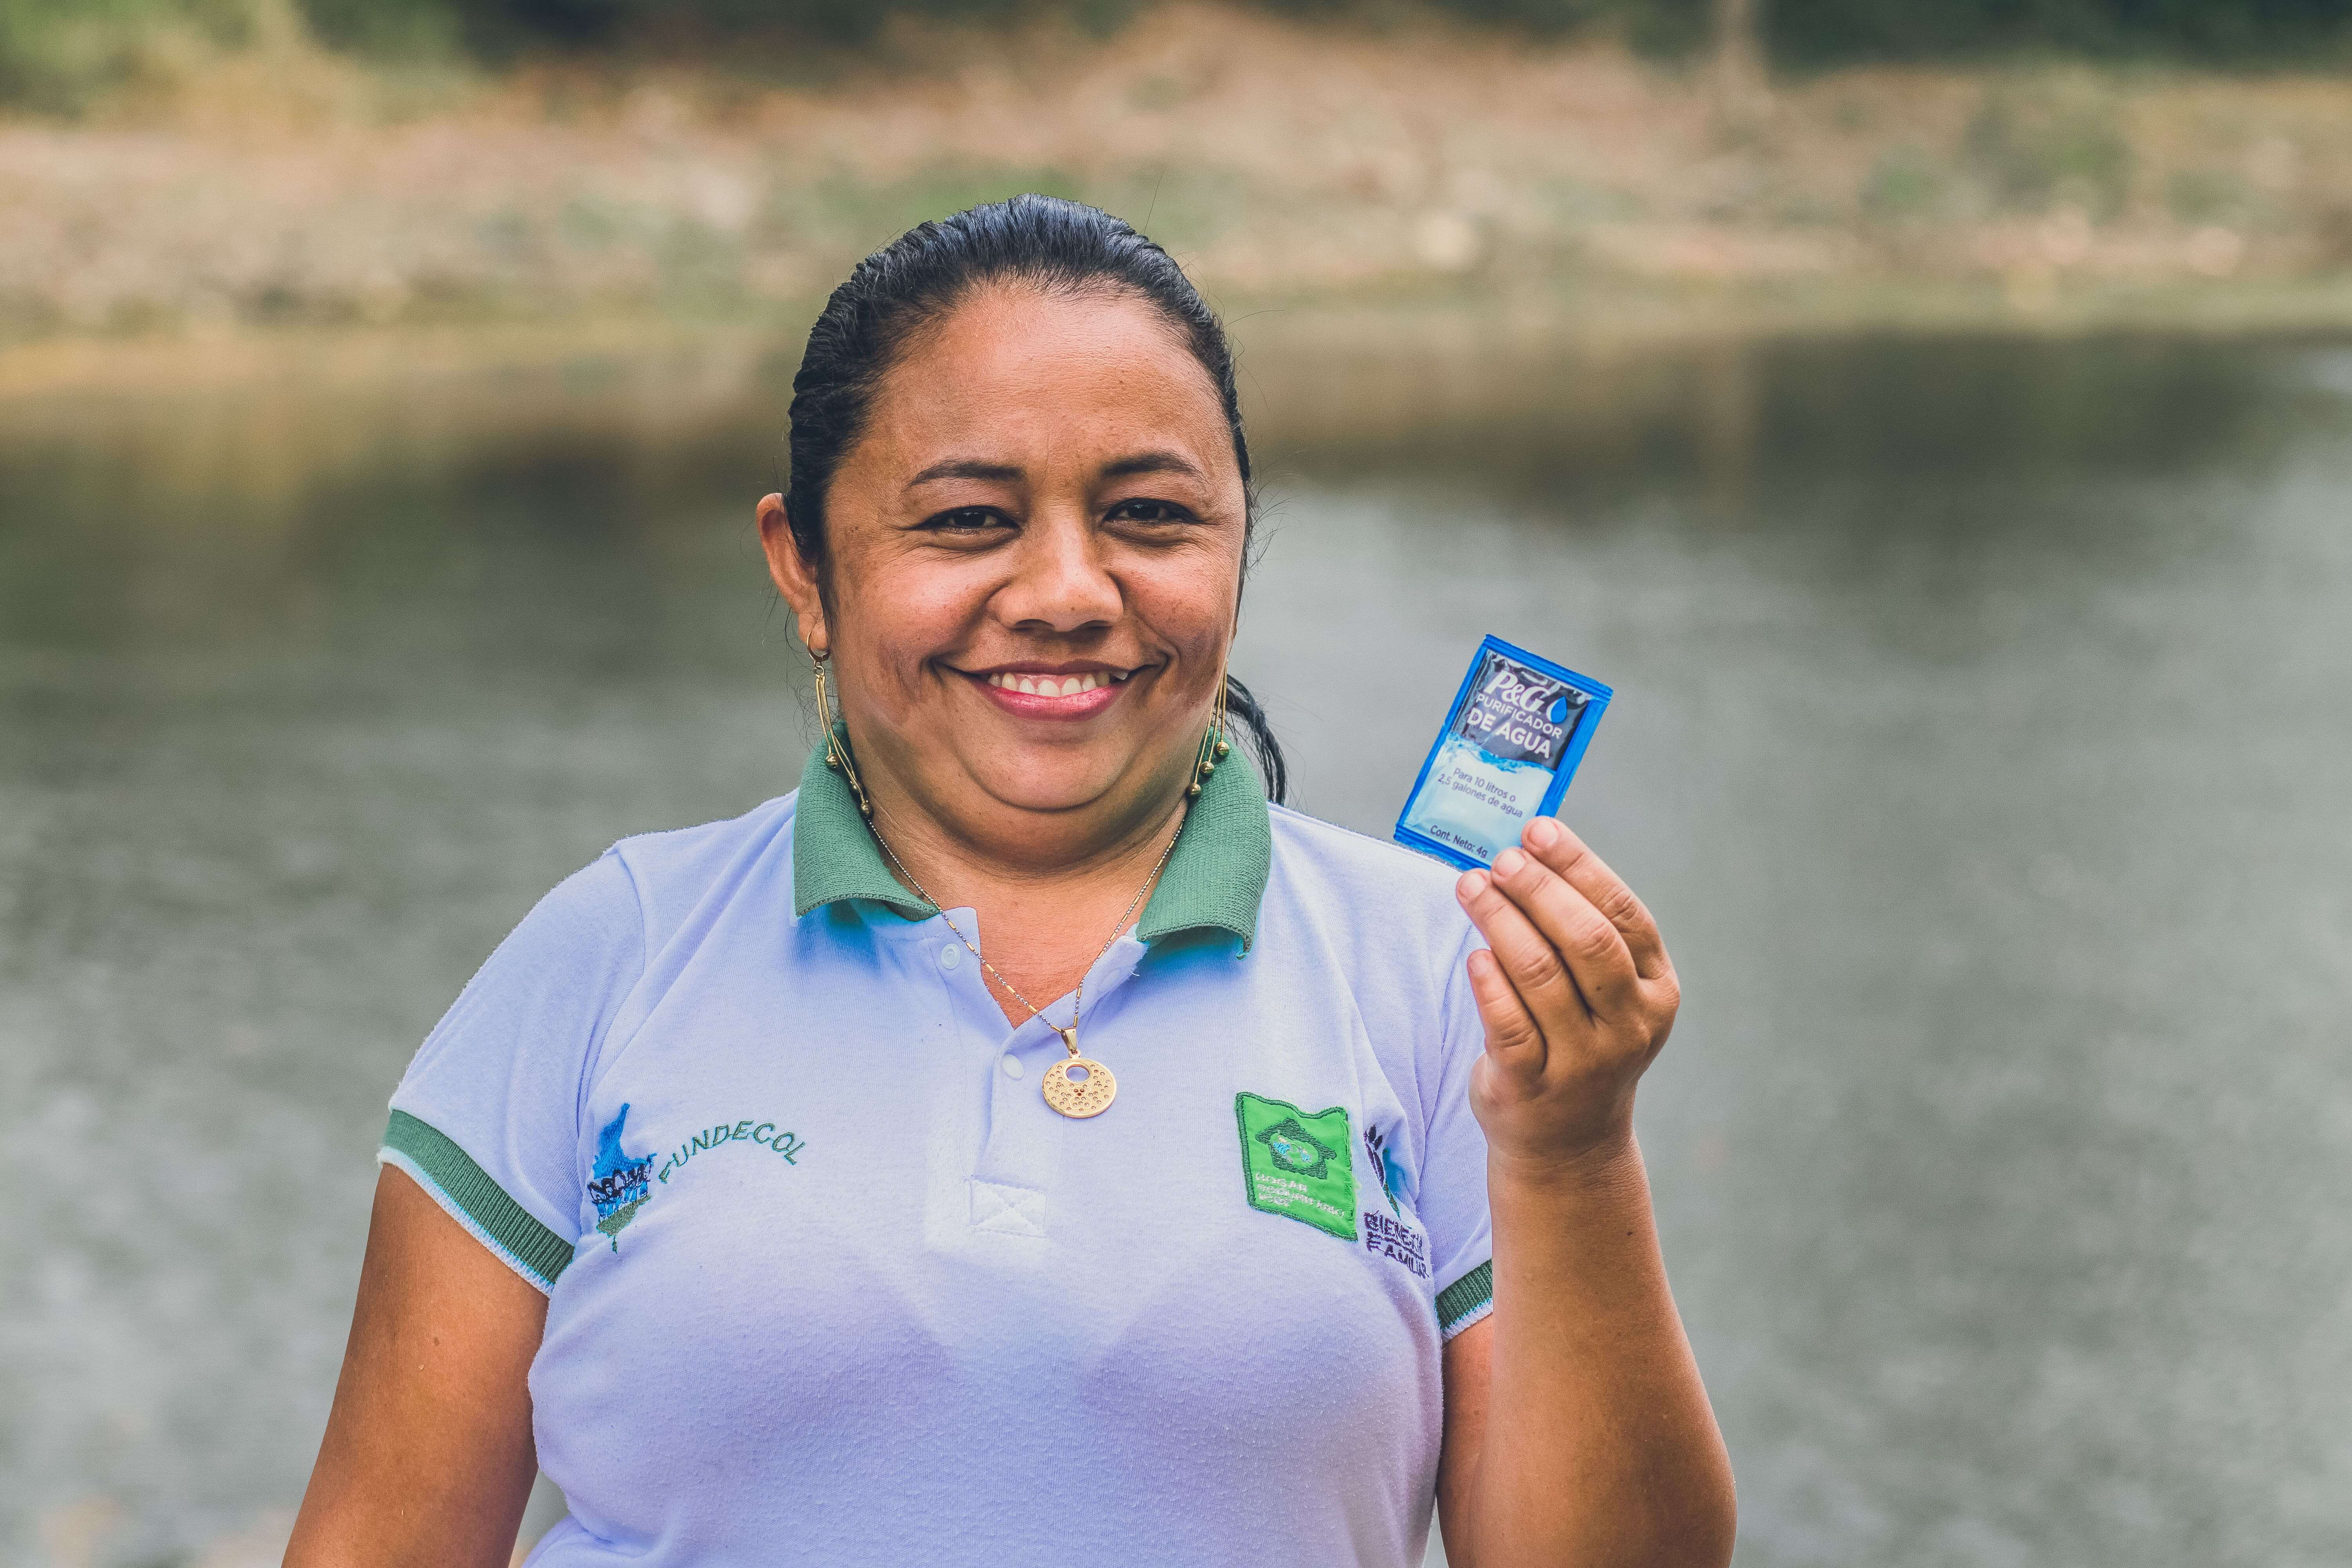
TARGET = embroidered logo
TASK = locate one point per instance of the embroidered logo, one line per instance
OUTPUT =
(1395, 1180)
(1296, 1149)
(786, 1145)
(1396, 1237)
(1299, 1165)
(1397, 1240)
(621, 1183)
(617, 1184)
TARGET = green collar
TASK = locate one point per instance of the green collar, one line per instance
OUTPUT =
(1214, 879)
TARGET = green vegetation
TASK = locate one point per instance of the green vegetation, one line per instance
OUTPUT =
(2206, 31)
(61, 55)
(1797, 29)
(1822, 32)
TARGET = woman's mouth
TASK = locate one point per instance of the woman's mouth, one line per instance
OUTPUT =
(1054, 694)
(1053, 686)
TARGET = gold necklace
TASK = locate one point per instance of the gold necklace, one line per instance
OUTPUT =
(1091, 1093)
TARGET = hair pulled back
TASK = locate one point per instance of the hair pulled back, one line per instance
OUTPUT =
(1053, 246)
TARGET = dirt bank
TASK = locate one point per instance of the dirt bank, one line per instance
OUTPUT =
(1291, 166)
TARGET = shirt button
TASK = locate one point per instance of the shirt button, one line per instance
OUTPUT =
(1012, 1067)
(950, 955)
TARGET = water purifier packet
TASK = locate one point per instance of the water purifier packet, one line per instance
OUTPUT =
(1519, 725)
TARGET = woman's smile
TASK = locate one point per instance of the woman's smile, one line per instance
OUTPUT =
(1068, 691)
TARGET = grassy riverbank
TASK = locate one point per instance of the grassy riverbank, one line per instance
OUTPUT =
(254, 197)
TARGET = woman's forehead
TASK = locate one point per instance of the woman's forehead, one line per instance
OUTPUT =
(1013, 369)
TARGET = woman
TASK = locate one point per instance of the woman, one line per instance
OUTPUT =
(1023, 1144)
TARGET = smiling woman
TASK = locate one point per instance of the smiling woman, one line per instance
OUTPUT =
(1339, 1212)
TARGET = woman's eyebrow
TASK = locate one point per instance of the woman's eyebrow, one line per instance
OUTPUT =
(966, 469)
(1152, 463)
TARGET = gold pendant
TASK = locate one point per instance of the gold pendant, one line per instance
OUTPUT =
(1089, 1095)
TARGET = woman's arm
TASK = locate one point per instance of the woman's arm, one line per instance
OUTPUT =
(427, 1457)
(1577, 1430)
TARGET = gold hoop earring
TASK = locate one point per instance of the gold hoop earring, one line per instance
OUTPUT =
(836, 739)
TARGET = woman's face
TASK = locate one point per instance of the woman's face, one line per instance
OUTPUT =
(1036, 554)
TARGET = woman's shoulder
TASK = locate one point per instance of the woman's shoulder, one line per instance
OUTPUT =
(1356, 875)
(1359, 858)
(656, 876)
(708, 846)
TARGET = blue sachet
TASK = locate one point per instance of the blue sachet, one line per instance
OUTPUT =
(1520, 726)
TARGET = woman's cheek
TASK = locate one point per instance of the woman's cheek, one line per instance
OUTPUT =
(917, 613)
(1196, 623)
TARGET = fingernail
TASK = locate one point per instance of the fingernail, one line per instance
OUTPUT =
(1472, 884)
(1543, 833)
(1508, 862)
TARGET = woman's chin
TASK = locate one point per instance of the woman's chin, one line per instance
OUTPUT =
(1048, 797)
(1052, 781)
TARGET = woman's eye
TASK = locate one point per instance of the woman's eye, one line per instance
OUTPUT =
(967, 520)
(1145, 510)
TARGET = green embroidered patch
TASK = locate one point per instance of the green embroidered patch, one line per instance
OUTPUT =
(1299, 1165)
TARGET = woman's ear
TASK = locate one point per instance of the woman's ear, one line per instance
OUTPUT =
(793, 577)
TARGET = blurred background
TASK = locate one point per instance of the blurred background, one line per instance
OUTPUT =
(1931, 415)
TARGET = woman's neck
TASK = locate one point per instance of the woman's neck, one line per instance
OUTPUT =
(1047, 912)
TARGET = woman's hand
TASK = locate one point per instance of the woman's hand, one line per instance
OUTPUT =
(1578, 995)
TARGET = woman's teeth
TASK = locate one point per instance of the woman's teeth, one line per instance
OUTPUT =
(1065, 686)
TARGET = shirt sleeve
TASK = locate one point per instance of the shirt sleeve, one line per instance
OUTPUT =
(1452, 1190)
(487, 1119)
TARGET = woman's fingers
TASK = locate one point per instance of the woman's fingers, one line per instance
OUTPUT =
(1513, 1042)
(1575, 989)
(1551, 841)
(1529, 960)
(1598, 960)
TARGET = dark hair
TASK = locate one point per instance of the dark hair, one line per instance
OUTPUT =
(1054, 245)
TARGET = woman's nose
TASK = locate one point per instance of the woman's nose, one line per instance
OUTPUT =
(1060, 581)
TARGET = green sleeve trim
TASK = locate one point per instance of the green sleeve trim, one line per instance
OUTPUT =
(504, 1225)
(1465, 1298)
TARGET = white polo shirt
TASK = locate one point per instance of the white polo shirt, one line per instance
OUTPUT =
(829, 1282)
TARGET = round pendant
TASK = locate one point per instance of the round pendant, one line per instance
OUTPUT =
(1079, 1086)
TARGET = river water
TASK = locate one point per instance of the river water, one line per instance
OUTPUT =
(1981, 741)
